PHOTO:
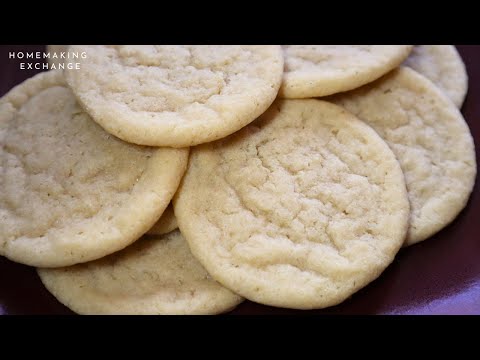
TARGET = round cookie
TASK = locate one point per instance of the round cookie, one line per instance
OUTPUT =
(156, 275)
(300, 209)
(177, 96)
(56, 49)
(71, 192)
(167, 223)
(431, 140)
(320, 70)
(443, 65)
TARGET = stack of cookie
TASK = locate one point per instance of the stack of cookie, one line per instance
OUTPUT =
(281, 198)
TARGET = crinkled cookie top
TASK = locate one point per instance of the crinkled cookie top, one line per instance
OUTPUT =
(178, 95)
(300, 209)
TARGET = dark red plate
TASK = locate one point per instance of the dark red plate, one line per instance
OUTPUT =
(438, 276)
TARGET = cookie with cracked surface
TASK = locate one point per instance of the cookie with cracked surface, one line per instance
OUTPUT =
(300, 209)
(176, 96)
(431, 140)
(166, 224)
(71, 192)
(443, 65)
(156, 275)
(320, 70)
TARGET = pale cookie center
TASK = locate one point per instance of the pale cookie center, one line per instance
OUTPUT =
(59, 167)
(156, 79)
(304, 198)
